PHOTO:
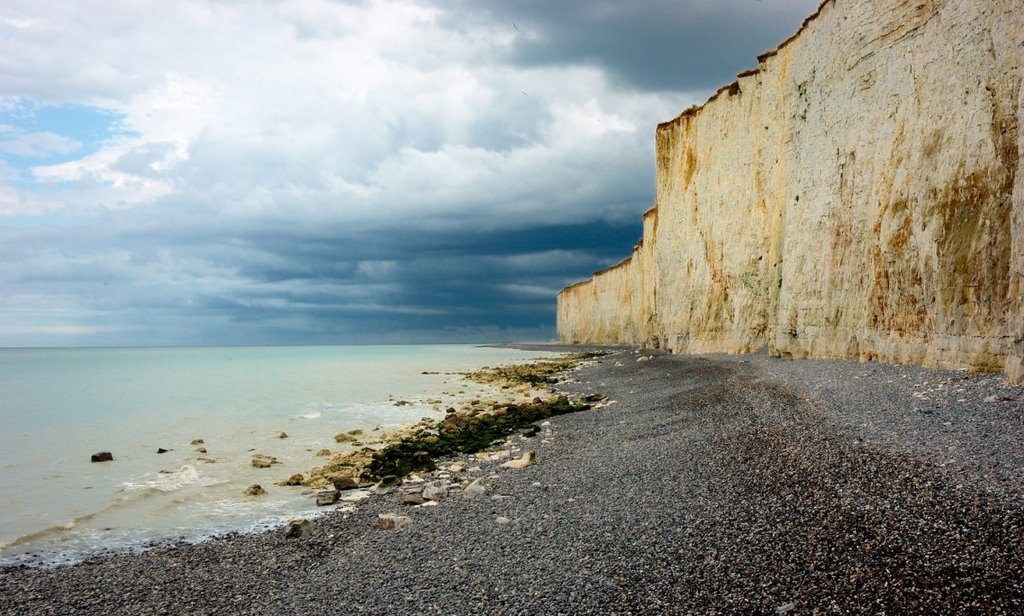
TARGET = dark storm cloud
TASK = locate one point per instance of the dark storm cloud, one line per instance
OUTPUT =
(663, 45)
(409, 282)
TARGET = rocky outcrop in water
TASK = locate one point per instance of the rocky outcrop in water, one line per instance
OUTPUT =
(855, 195)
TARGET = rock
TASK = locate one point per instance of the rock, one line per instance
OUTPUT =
(531, 431)
(594, 398)
(294, 480)
(475, 489)
(103, 456)
(390, 521)
(255, 490)
(347, 483)
(546, 424)
(323, 453)
(389, 480)
(327, 497)
(261, 460)
(197, 441)
(449, 410)
(298, 528)
(282, 434)
(527, 459)
(355, 432)
(200, 449)
(435, 491)
(344, 438)
(161, 450)
(999, 398)
(453, 423)
(785, 608)
(457, 467)
(412, 499)
(495, 455)
(502, 520)
(207, 460)
(431, 440)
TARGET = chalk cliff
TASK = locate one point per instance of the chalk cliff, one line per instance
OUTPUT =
(855, 195)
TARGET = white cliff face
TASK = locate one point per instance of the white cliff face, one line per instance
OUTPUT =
(1015, 358)
(856, 195)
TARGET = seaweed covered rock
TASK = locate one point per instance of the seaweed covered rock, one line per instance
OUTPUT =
(461, 434)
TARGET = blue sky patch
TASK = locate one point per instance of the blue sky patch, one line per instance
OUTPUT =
(32, 134)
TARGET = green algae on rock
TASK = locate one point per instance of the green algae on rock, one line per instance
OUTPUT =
(470, 429)
(461, 434)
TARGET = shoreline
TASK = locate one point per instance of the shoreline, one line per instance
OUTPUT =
(277, 450)
(707, 483)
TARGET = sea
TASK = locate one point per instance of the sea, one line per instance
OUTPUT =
(60, 406)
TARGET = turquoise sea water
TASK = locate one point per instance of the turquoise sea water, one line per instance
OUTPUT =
(59, 406)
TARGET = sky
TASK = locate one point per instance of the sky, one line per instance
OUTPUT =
(235, 172)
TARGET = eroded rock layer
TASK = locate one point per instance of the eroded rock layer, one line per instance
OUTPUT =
(855, 195)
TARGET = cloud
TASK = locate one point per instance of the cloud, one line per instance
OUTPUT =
(36, 145)
(659, 45)
(256, 171)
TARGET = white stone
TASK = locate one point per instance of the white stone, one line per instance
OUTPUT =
(527, 459)
(391, 521)
(435, 491)
(475, 489)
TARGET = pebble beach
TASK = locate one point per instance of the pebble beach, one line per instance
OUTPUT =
(701, 484)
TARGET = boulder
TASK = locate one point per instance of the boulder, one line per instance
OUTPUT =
(323, 453)
(327, 497)
(435, 491)
(161, 450)
(527, 459)
(411, 499)
(298, 528)
(457, 466)
(475, 489)
(391, 521)
(343, 438)
(263, 461)
(255, 490)
(102, 456)
(347, 483)
(197, 441)
(282, 434)
(200, 449)
(294, 480)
